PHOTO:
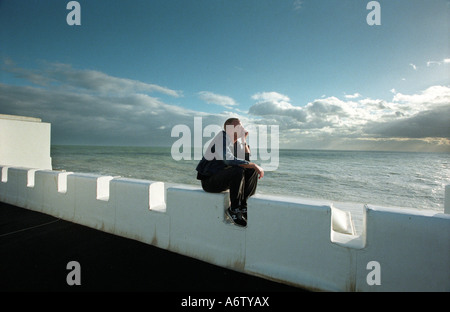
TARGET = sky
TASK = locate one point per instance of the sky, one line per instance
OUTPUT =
(133, 70)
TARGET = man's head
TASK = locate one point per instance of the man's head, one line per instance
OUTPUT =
(231, 122)
(234, 128)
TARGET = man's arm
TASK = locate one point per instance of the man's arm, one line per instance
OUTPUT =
(258, 169)
(251, 165)
(228, 153)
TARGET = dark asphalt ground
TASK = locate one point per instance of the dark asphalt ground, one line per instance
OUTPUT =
(35, 249)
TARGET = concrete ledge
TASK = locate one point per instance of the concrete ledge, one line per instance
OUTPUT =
(11, 178)
(412, 247)
(296, 241)
(54, 194)
(39, 190)
(91, 209)
(199, 228)
(289, 239)
(140, 210)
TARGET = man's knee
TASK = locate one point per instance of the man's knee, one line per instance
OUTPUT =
(237, 170)
(237, 173)
(251, 173)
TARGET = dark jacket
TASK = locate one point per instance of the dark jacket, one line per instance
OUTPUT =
(221, 153)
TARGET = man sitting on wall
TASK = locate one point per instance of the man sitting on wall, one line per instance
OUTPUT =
(221, 169)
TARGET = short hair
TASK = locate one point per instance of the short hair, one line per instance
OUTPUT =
(230, 121)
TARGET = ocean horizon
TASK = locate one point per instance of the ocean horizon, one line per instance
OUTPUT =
(385, 178)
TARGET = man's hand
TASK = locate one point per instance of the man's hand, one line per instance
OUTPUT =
(259, 170)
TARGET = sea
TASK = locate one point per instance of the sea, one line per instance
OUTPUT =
(389, 179)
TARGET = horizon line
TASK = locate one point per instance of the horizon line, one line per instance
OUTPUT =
(280, 149)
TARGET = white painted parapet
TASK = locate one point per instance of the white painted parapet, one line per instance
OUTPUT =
(92, 208)
(126, 207)
(296, 241)
(289, 240)
(199, 228)
(24, 142)
(140, 211)
(412, 248)
(50, 194)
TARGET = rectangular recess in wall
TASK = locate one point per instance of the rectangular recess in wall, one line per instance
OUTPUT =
(157, 197)
(62, 182)
(5, 174)
(30, 177)
(342, 231)
(103, 187)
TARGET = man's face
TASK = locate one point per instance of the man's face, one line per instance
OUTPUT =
(239, 130)
(237, 123)
(233, 129)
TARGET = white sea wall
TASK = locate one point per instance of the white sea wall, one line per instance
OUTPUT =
(24, 142)
(291, 240)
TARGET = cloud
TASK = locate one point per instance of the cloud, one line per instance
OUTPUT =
(324, 113)
(298, 4)
(217, 99)
(276, 104)
(84, 118)
(326, 121)
(352, 96)
(434, 95)
(111, 111)
(63, 75)
(91, 107)
(330, 106)
(419, 115)
(444, 61)
(270, 96)
(427, 124)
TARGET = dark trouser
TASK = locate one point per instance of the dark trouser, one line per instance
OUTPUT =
(240, 181)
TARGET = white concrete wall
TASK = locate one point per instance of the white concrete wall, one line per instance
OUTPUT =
(24, 141)
(412, 248)
(199, 229)
(295, 241)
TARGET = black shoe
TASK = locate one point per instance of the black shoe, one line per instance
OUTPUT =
(244, 213)
(235, 216)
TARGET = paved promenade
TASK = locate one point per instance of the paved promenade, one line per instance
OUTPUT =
(35, 249)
